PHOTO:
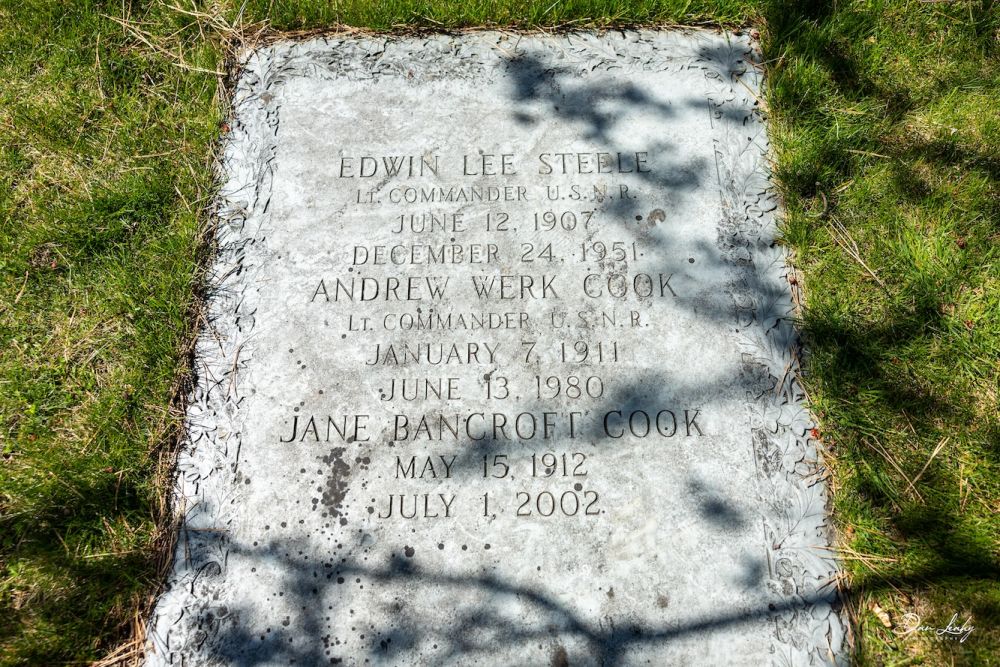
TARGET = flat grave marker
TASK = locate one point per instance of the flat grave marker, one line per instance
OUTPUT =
(499, 366)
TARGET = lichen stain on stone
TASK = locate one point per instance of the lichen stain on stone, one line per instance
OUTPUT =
(336, 480)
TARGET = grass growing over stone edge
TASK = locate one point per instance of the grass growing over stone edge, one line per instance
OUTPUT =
(887, 143)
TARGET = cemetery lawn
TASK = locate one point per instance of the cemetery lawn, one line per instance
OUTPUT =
(887, 143)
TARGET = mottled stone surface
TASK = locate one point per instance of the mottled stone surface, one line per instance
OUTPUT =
(499, 367)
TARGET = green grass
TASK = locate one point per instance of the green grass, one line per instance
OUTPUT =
(887, 135)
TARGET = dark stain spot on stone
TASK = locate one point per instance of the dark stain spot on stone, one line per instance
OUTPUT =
(523, 118)
(441, 546)
(487, 546)
(336, 481)
(611, 592)
(657, 215)
(409, 551)
(559, 657)
(662, 601)
(286, 622)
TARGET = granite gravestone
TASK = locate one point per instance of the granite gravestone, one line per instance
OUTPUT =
(499, 366)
